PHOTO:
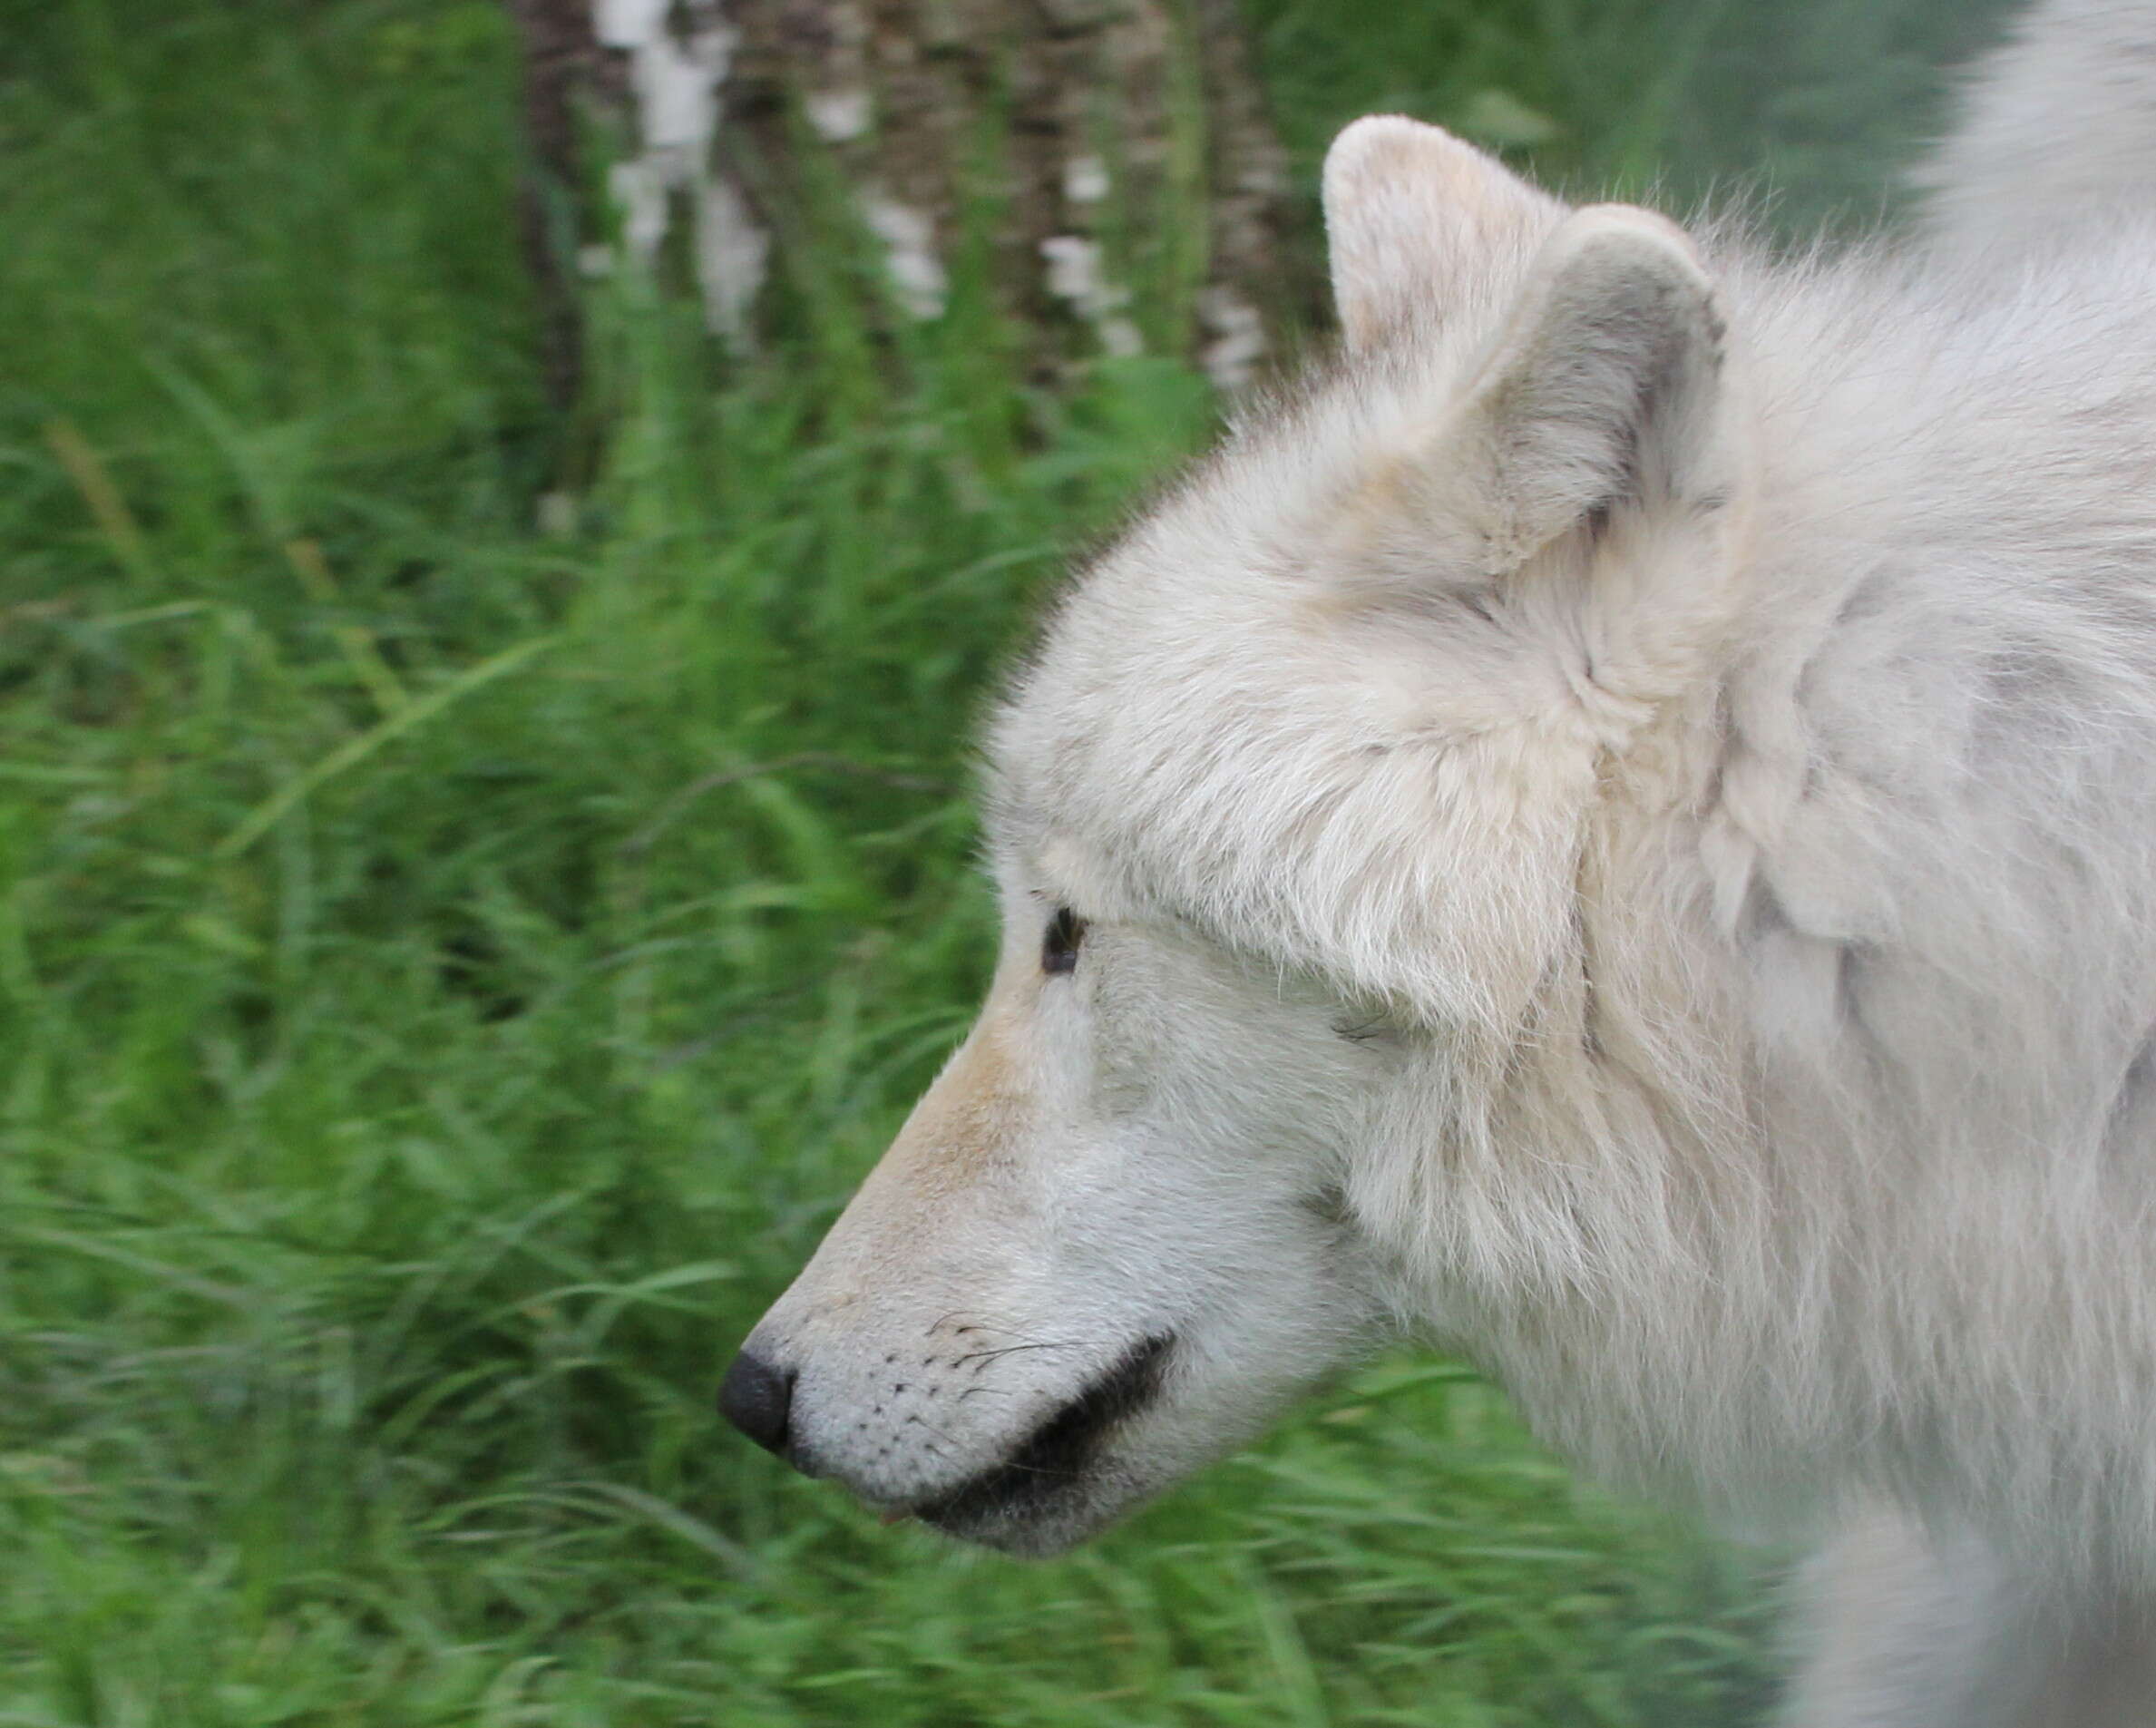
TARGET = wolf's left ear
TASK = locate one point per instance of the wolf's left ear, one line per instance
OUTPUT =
(1608, 387)
(1416, 220)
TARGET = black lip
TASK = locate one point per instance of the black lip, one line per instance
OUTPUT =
(1056, 1454)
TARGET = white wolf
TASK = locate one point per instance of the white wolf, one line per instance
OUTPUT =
(1616, 828)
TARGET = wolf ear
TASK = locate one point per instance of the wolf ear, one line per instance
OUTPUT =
(1608, 387)
(1412, 216)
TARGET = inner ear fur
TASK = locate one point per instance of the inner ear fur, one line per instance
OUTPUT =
(1608, 386)
(1416, 220)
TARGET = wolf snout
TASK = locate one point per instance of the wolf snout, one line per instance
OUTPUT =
(992, 1444)
(759, 1400)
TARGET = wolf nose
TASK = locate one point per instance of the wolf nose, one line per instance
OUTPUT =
(757, 1397)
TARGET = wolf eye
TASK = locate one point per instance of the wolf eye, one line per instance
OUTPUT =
(1059, 946)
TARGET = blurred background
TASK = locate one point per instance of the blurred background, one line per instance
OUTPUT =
(507, 513)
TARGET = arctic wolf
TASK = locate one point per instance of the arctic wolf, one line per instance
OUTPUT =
(1615, 829)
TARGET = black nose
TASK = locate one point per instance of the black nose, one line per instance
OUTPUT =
(756, 1398)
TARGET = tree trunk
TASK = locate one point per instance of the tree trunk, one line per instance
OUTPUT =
(1108, 164)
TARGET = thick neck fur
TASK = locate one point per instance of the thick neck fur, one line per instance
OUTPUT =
(1861, 974)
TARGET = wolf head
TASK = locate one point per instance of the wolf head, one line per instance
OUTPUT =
(1289, 813)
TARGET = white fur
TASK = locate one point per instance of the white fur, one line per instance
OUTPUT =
(1618, 830)
(2056, 133)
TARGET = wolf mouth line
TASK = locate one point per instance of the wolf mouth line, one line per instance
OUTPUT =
(1053, 1459)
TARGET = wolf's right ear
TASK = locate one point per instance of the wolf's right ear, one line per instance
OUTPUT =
(1412, 215)
(1610, 388)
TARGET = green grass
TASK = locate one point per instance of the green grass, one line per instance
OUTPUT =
(450, 973)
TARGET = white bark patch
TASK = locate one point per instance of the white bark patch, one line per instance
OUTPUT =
(1085, 180)
(1238, 333)
(731, 255)
(624, 24)
(676, 84)
(839, 115)
(1076, 276)
(908, 240)
(639, 192)
(1074, 272)
(676, 88)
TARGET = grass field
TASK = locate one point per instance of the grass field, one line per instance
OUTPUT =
(450, 973)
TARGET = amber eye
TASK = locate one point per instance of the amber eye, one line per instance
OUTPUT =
(1059, 946)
